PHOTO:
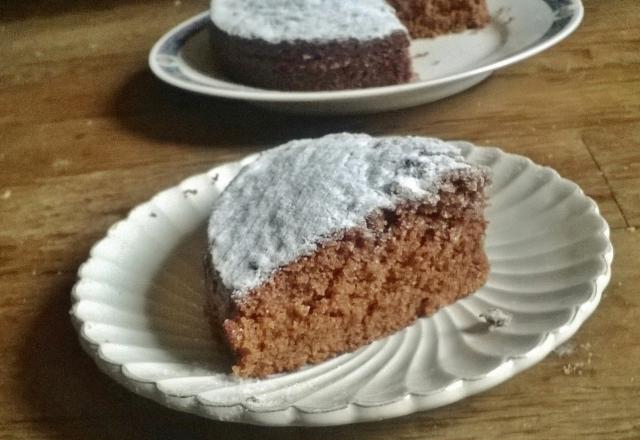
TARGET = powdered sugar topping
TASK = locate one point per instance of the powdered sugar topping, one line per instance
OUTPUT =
(290, 199)
(276, 21)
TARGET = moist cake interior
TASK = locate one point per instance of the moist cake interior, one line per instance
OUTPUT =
(429, 18)
(408, 262)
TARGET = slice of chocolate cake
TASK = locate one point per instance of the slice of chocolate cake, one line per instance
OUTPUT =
(310, 45)
(322, 245)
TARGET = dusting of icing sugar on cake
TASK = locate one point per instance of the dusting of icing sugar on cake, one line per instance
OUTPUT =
(276, 21)
(303, 193)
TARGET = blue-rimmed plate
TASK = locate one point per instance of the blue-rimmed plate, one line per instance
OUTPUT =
(444, 66)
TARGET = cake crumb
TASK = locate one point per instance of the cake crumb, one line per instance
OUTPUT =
(177, 2)
(587, 347)
(496, 318)
(566, 349)
(6, 195)
(631, 229)
(214, 178)
(189, 192)
(153, 215)
(33, 273)
(575, 368)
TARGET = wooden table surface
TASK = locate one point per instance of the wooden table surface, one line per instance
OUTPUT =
(86, 132)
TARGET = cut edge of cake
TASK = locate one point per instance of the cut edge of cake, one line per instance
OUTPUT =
(359, 284)
(431, 18)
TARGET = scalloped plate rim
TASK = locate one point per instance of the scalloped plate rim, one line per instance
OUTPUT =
(518, 363)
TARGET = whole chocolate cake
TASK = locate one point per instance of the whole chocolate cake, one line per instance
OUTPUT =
(322, 245)
(329, 44)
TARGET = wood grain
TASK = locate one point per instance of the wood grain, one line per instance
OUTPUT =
(86, 133)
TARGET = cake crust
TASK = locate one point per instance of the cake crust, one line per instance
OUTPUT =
(313, 66)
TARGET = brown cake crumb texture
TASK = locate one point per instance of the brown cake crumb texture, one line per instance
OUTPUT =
(429, 18)
(307, 66)
(373, 281)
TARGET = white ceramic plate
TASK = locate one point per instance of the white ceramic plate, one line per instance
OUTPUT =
(138, 307)
(445, 65)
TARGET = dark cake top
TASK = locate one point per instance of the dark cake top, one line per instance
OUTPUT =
(305, 192)
(276, 21)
